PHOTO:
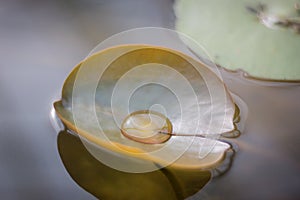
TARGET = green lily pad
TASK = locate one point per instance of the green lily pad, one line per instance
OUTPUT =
(260, 37)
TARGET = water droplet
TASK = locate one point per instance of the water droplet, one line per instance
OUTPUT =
(147, 127)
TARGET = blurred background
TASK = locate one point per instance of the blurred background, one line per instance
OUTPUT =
(42, 40)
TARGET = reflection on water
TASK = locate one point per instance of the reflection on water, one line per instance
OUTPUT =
(107, 183)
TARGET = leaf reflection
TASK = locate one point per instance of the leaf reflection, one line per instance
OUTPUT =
(106, 183)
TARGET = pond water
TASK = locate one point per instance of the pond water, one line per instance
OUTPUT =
(41, 41)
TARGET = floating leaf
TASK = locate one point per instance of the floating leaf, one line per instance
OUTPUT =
(108, 86)
(260, 37)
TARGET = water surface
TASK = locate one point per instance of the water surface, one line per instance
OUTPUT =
(41, 41)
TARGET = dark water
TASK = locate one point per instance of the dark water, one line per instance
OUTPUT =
(41, 41)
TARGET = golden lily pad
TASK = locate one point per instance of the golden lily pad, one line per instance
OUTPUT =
(109, 85)
(260, 37)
